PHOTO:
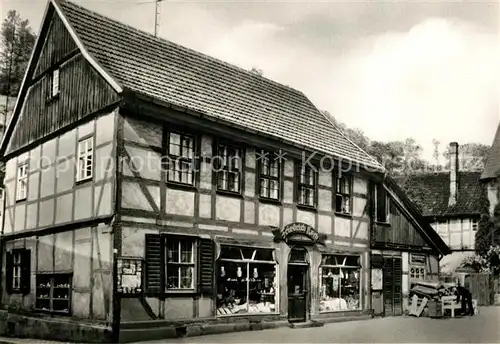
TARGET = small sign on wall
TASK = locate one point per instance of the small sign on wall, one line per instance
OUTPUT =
(377, 278)
(129, 277)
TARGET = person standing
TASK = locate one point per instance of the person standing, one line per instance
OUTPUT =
(465, 297)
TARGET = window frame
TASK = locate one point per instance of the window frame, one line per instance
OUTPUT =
(474, 223)
(417, 266)
(302, 186)
(246, 262)
(343, 195)
(266, 156)
(22, 180)
(17, 266)
(86, 155)
(223, 168)
(173, 158)
(55, 77)
(21, 266)
(53, 290)
(358, 268)
(387, 205)
(194, 265)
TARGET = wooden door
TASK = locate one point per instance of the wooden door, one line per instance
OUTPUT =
(393, 286)
(297, 292)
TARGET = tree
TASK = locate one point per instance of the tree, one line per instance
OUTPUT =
(483, 235)
(17, 41)
(471, 156)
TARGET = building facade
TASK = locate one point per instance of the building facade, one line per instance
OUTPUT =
(152, 191)
(452, 202)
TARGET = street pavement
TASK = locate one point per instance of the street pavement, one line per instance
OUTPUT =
(481, 328)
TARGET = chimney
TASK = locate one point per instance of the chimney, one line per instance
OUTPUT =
(453, 173)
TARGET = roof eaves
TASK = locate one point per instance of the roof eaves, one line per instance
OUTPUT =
(435, 239)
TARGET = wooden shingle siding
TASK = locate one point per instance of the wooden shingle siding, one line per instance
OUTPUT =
(57, 46)
(82, 92)
(400, 232)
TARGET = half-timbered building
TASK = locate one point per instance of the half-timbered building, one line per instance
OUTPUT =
(452, 202)
(153, 191)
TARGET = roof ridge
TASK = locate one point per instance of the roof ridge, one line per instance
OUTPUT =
(164, 40)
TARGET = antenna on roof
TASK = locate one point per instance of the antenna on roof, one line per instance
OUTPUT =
(157, 16)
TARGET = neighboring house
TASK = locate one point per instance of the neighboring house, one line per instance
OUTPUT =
(140, 202)
(405, 249)
(452, 202)
(490, 178)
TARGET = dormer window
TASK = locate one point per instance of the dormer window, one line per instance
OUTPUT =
(54, 83)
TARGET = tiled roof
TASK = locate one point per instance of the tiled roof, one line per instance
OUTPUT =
(431, 192)
(492, 165)
(188, 79)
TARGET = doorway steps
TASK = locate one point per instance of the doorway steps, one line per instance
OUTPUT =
(307, 324)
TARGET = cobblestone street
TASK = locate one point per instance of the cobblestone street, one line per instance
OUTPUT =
(482, 328)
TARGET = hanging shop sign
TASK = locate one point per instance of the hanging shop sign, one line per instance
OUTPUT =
(129, 277)
(298, 231)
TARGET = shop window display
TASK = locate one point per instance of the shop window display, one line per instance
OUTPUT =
(340, 283)
(246, 281)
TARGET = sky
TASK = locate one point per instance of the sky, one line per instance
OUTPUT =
(394, 69)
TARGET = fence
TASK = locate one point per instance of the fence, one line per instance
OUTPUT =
(481, 287)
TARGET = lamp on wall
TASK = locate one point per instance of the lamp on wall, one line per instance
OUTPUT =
(239, 273)
(222, 271)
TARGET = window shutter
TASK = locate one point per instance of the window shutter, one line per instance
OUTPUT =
(206, 266)
(25, 272)
(9, 271)
(154, 264)
(388, 280)
(398, 286)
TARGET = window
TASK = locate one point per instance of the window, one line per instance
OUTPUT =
(340, 283)
(53, 293)
(54, 83)
(229, 172)
(180, 158)
(85, 159)
(270, 172)
(18, 271)
(382, 204)
(22, 182)
(343, 194)
(307, 186)
(442, 226)
(247, 281)
(475, 225)
(179, 264)
(417, 267)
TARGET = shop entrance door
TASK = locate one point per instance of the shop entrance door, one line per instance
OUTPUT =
(298, 272)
